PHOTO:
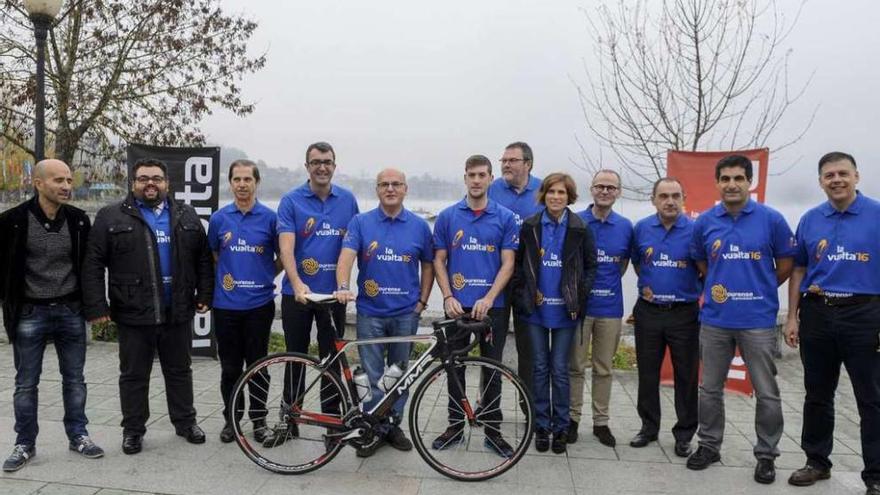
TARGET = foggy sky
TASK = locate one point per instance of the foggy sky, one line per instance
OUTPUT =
(422, 85)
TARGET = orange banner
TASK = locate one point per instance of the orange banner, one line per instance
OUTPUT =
(696, 172)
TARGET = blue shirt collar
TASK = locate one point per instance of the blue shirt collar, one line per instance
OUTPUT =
(402, 217)
(720, 210)
(531, 184)
(546, 219)
(855, 208)
(611, 220)
(307, 190)
(490, 208)
(680, 222)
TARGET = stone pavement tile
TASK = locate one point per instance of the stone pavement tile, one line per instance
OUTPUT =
(64, 489)
(592, 477)
(650, 453)
(588, 447)
(393, 462)
(113, 491)
(321, 483)
(10, 486)
(539, 471)
(494, 486)
(844, 462)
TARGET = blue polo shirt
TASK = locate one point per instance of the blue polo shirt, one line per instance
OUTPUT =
(390, 252)
(613, 245)
(159, 220)
(245, 244)
(523, 204)
(319, 227)
(740, 288)
(550, 311)
(841, 250)
(473, 245)
(667, 273)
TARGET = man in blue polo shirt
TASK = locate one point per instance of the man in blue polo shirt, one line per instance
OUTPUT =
(312, 219)
(600, 332)
(666, 314)
(243, 239)
(475, 243)
(836, 286)
(744, 250)
(394, 252)
(517, 190)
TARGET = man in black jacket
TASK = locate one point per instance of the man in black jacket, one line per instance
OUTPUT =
(41, 250)
(160, 273)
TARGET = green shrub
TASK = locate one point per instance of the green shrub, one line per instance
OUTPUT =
(105, 332)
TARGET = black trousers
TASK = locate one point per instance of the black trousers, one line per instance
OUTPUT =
(490, 407)
(524, 354)
(138, 346)
(242, 339)
(677, 327)
(831, 336)
(297, 318)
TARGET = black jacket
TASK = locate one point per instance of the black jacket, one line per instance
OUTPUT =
(13, 249)
(124, 243)
(578, 265)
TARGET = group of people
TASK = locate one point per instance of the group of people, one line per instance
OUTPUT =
(512, 248)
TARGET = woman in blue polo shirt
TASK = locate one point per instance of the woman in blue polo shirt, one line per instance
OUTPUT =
(242, 236)
(555, 268)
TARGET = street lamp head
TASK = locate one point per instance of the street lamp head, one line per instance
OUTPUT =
(43, 8)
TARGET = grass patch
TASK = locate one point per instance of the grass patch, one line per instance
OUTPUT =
(624, 358)
(105, 331)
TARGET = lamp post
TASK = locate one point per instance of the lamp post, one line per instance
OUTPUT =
(42, 13)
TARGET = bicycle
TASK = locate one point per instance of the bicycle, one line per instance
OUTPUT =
(320, 410)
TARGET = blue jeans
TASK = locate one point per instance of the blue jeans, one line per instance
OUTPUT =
(550, 351)
(373, 358)
(65, 326)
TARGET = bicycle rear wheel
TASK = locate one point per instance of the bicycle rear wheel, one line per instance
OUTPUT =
(275, 403)
(502, 410)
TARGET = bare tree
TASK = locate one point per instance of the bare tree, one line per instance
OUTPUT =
(122, 70)
(686, 75)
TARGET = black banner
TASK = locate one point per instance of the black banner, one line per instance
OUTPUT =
(194, 178)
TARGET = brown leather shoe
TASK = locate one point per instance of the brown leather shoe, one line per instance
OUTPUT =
(808, 475)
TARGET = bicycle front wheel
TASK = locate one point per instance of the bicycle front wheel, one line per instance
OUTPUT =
(283, 409)
(476, 449)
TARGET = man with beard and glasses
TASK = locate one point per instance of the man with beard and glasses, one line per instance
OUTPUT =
(160, 272)
(475, 243)
(42, 244)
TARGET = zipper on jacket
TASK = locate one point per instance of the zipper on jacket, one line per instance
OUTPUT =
(148, 235)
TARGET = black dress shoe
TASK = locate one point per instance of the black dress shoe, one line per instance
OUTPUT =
(808, 475)
(765, 471)
(572, 436)
(559, 441)
(542, 440)
(603, 433)
(682, 448)
(193, 434)
(132, 444)
(642, 439)
(227, 434)
(873, 488)
(702, 458)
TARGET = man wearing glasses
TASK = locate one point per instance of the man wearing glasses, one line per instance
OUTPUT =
(394, 252)
(602, 325)
(160, 273)
(517, 191)
(312, 220)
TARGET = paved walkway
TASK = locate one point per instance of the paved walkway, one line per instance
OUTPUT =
(169, 465)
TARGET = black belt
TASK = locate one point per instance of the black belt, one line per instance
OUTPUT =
(668, 306)
(53, 301)
(843, 301)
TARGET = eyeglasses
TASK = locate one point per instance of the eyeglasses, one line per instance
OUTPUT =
(604, 188)
(144, 179)
(386, 185)
(505, 161)
(319, 163)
